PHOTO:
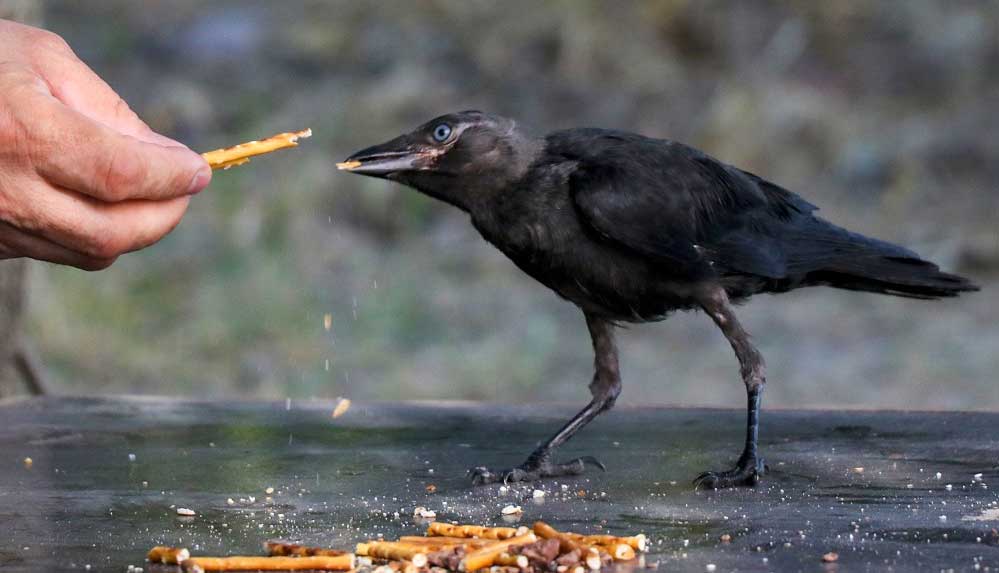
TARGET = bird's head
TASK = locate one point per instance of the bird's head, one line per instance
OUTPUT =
(455, 157)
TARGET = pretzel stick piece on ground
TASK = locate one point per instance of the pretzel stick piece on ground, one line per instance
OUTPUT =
(168, 555)
(450, 530)
(485, 557)
(240, 154)
(316, 563)
(278, 549)
(394, 551)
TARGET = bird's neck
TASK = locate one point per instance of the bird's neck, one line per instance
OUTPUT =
(477, 188)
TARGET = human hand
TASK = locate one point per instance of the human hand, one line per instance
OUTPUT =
(82, 178)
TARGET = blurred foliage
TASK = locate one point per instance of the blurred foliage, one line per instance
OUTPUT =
(883, 113)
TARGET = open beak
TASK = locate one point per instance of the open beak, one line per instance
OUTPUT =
(386, 159)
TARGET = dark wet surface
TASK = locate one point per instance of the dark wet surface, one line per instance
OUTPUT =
(84, 502)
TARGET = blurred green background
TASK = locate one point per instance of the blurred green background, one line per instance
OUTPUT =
(883, 113)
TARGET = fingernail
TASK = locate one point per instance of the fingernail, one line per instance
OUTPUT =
(201, 180)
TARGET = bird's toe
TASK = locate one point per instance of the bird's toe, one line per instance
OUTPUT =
(482, 475)
(746, 474)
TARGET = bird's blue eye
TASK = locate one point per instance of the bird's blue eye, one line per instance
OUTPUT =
(442, 132)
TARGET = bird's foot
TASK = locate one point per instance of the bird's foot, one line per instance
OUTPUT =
(533, 469)
(747, 472)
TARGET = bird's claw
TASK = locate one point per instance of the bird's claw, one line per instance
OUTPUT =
(747, 472)
(534, 470)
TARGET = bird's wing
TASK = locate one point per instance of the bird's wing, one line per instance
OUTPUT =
(674, 204)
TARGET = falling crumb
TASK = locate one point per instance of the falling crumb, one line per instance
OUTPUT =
(131, 457)
(28, 462)
(726, 538)
(538, 493)
(186, 512)
(431, 488)
(511, 510)
(830, 557)
(269, 490)
(327, 321)
(341, 408)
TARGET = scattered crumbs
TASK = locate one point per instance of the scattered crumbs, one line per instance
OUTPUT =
(503, 489)
(538, 493)
(977, 477)
(424, 513)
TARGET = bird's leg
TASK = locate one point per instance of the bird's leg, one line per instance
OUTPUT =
(750, 466)
(605, 388)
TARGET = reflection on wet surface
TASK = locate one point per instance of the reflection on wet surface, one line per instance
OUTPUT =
(881, 490)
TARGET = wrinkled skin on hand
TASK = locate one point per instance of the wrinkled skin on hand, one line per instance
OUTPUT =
(82, 178)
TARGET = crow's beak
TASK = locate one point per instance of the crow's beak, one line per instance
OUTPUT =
(386, 159)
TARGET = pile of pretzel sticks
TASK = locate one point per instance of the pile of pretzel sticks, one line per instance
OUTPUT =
(445, 548)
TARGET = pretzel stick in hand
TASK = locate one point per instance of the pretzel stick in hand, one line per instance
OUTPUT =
(240, 154)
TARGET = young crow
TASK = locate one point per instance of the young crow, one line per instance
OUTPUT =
(631, 228)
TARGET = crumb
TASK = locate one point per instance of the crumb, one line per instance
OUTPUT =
(511, 510)
(830, 557)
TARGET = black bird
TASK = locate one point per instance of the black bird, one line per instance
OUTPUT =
(631, 228)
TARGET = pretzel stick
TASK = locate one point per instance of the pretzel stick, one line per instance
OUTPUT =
(637, 542)
(507, 560)
(167, 555)
(394, 551)
(620, 551)
(278, 549)
(446, 541)
(485, 557)
(240, 154)
(450, 530)
(591, 555)
(316, 562)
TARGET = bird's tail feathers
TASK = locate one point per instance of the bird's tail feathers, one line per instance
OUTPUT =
(860, 263)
